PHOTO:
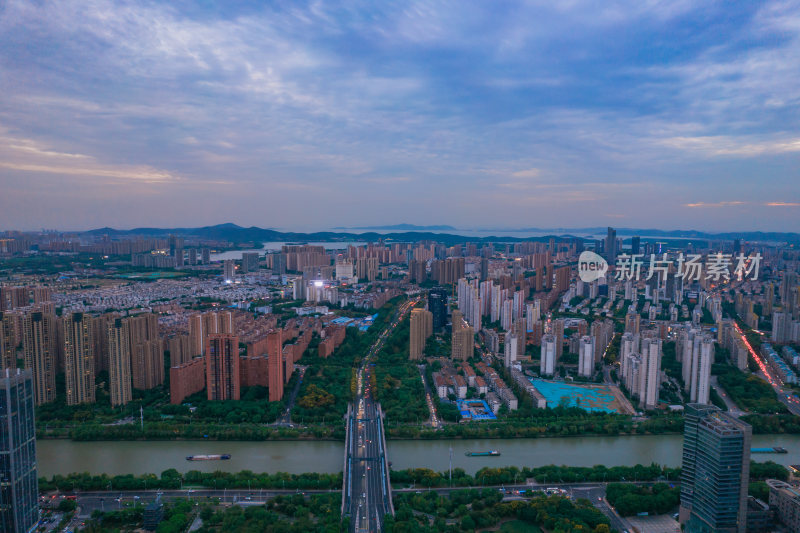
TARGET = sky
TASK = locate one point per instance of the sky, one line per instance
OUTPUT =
(310, 115)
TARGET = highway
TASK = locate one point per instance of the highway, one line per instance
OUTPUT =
(786, 397)
(367, 495)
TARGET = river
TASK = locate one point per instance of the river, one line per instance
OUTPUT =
(122, 457)
(273, 246)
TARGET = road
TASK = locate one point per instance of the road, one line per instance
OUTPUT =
(367, 497)
(286, 417)
(786, 397)
(733, 409)
(90, 501)
(434, 419)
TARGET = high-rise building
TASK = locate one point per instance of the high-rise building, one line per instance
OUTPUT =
(100, 325)
(229, 270)
(437, 305)
(511, 350)
(275, 365)
(547, 364)
(147, 354)
(8, 342)
(249, 261)
(119, 362)
(19, 491)
(222, 367)
(205, 255)
(650, 373)
(611, 246)
(635, 244)
(13, 297)
(715, 471)
(586, 356)
(78, 358)
(186, 379)
(780, 326)
(421, 328)
(41, 295)
(179, 350)
(197, 344)
(463, 343)
(39, 344)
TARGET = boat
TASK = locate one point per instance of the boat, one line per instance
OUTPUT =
(771, 449)
(490, 453)
(223, 457)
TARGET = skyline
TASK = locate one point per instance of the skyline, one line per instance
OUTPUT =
(654, 116)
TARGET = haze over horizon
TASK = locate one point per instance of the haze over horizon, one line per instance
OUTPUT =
(640, 115)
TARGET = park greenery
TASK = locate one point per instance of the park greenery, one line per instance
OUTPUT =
(528, 422)
(426, 477)
(629, 500)
(470, 510)
(774, 424)
(749, 392)
(398, 385)
(327, 386)
(283, 514)
(172, 479)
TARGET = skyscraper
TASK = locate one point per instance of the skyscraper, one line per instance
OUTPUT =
(8, 343)
(78, 358)
(715, 471)
(421, 327)
(635, 244)
(19, 490)
(437, 304)
(39, 333)
(119, 362)
(611, 246)
(222, 367)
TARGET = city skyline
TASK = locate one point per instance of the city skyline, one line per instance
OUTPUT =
(307, 116)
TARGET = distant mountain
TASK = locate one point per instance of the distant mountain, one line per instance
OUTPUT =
(403, 227)
(682, 234)
(235, 233)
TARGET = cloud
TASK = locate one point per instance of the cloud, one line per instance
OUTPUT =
(526, 174)
(628, 104)
(728, 146)
(783, 204)
(27, 155)
(734, 203)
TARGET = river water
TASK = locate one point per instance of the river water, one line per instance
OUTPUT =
(121, 457)
(273, 246)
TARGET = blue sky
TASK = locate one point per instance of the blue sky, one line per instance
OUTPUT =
(305, 115)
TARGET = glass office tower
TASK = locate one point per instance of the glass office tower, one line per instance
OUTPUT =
(19, 490)
(715, 471)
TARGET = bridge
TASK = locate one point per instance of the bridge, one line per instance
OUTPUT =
(367, 494)
(366, 491)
